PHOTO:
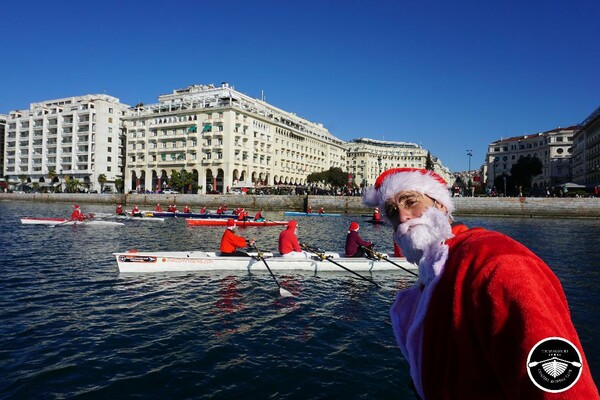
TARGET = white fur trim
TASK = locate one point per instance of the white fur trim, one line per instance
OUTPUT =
(409, 180)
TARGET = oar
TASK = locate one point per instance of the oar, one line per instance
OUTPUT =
(282, 291)
(60, 223)
(322, 256)
(380, 256)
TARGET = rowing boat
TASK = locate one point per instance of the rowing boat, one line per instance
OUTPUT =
(134, 261)
(314, 214)
(63, 221)
(141, 218)
(168, 214)
(222, 222)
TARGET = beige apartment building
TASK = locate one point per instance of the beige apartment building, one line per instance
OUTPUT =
(553, 148)
(586, 151)
(226, 140)
(367, 158)
(69, 138)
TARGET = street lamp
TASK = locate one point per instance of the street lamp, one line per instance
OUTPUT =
(469, 155)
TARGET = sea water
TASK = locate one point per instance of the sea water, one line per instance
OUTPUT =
(72, 326)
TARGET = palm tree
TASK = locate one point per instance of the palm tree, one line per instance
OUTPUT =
(72, 185)
(52, 175)
(22, 178)
(119, 185)
(101, 181)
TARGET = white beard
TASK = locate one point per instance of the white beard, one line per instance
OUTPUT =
(419, 236)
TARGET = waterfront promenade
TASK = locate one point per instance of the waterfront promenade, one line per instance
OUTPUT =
(465, 206)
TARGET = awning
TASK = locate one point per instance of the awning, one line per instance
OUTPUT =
(193, 128)
(207, 128)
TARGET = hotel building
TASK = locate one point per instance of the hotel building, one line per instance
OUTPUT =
(553, 148)
(70, 138)
(367, 158)
(225, 139)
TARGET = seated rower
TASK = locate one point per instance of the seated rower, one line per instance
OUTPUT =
(230, 242)
(203, 210)
(354, 243)
(309, 210)
(77, 214)
(321, 210)
(376, 215)
(242, 215)
(119, 210)
(187, 210)
(158, 208)
(288, 242)
(135, 211)
(258, 216)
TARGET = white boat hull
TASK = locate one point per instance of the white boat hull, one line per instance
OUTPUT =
(64, 222)
(209, 261)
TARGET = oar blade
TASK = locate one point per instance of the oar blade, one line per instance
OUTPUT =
(285, 293)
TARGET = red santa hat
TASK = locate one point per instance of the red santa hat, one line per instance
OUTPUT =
(353, 226)
(292, 224)
(75, 205)
(230, 223)
(418, 180)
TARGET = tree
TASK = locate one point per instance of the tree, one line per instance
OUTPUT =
(429, 162)
(72, 184)
(52, 175)
(181, 180)
(22, 178)
(102, 180)
(119, 185)
(334, 177)
(524, 170)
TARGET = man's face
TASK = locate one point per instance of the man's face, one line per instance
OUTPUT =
(406, 205)
(419, 223)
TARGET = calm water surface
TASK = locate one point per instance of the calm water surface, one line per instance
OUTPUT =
(72, 326)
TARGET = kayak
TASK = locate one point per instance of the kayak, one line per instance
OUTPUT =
(223, 222)
(63, 221)
(177, 261)
(313, 214)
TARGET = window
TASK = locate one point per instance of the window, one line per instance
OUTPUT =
(109, 159)
(109, 140)
(110, 129)
(110, 110)
(109, 149)
(110, 120)
(109, 168)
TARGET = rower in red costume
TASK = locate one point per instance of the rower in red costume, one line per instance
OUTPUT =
(481, 304)
(230, 242)
(77, 214)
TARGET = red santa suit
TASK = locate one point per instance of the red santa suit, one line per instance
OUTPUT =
(467, 327)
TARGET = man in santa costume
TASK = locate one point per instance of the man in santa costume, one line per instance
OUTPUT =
(481, 304)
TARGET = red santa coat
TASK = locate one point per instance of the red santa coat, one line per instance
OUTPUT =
(494, 301)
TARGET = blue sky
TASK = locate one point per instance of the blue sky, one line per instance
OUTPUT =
(449, 75)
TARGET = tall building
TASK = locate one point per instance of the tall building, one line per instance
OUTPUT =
(586, 153)
(2, 149)
(70, 138)
(553, 148)
(367, 158)
(224, 139)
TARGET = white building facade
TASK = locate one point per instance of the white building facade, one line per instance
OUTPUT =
(367, 158)
(553, 148)
(586, 151)
(69, 138)
(225, 139)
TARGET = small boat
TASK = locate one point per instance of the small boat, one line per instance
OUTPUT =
(63, 221)
(313, 214)
(177, 261)
(178, 214)
(375, 221)
(143, 217)
(223, 222)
